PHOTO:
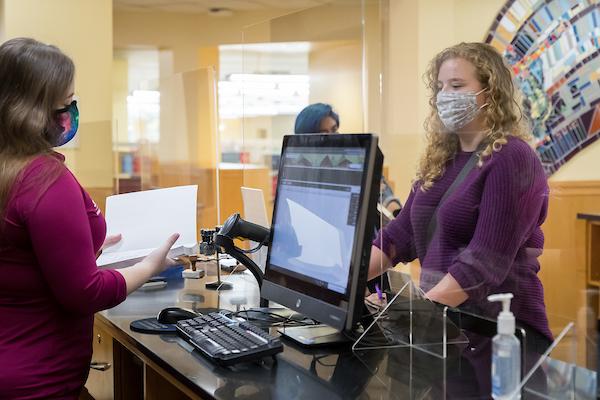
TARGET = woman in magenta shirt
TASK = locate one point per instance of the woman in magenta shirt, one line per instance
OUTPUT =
(51, 232)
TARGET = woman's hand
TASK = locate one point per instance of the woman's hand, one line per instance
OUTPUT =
(111, 241)
(448, 292)
(158, 261)
(378, 264)
(153, 264)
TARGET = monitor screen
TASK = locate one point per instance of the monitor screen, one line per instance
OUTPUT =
(317, 205)
(322, 223)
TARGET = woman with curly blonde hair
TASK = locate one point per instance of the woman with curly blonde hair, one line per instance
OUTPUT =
(479, 198)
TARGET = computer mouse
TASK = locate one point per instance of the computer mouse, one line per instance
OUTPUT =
(171, 315)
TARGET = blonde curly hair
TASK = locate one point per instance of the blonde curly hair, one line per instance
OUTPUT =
(502, 117)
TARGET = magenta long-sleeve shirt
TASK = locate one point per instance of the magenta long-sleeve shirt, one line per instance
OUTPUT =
(488, 232)
(50, 286)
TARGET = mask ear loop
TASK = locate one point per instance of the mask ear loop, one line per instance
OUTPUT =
(490, 130)
(484, 104)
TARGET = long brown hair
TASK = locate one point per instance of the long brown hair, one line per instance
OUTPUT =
(34, 78)
(502, 117)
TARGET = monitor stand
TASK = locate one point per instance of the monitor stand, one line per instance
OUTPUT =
(305, 335)
(321, 334)
(314, 335)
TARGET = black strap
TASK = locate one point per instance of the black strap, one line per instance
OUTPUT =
(432, 227)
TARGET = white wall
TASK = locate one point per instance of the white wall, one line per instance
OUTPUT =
(83, 30)
(416, 31)
(584, 166)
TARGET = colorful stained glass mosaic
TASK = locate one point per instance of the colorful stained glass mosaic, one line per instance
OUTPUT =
(553, 48)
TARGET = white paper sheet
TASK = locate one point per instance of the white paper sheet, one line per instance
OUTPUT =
(146, 219)
(254, 206)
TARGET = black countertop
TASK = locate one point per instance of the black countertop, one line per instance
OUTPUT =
(298, 373)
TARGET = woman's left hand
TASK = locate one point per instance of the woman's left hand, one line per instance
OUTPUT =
(111, 240)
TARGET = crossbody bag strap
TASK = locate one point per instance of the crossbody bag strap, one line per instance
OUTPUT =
(432, 227)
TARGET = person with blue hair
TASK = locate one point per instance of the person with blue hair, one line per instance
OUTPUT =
(320, 118)
(317, 118)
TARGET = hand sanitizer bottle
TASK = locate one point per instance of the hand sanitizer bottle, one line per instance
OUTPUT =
(506, 353)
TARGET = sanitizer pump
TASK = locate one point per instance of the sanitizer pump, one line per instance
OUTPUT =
(506, 353)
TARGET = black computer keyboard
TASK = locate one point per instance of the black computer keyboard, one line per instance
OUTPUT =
(227, 341)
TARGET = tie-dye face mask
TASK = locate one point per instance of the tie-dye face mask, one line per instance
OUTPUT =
(68, 121)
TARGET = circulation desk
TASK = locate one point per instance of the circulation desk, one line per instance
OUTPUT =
(139, 366)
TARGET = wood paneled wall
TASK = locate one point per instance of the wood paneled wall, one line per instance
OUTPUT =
(563, 266)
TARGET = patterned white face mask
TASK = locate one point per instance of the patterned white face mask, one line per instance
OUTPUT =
(457, 109)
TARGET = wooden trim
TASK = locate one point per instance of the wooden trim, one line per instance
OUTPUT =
(129, 343)
(100, 384)
(593, 252)
(565, 262)
(574, 188)
(574, 184)
(128, 374)
(157, 386)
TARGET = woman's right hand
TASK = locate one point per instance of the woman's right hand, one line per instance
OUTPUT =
(378, 264)
(153, 264)
(158, 260)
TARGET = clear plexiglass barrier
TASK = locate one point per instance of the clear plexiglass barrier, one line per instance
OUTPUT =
(222, 128)
(287, 63)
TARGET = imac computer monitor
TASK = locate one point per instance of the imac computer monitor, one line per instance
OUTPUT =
(323, 222)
